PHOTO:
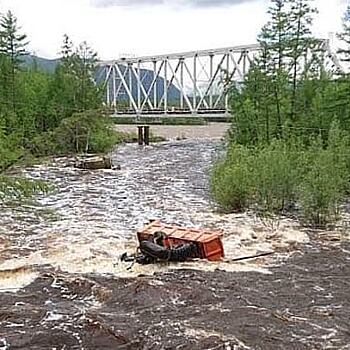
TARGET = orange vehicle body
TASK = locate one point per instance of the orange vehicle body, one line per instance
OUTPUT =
(209, 242)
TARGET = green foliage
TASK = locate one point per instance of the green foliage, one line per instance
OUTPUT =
(39, 112)
(77, 131)
(45, 144)
(73, 89)
(274, 36)
(289, 140)
(344, 36)
(257, 115)
(32, 111)
(325, 184)
(12, 43)
(266, 177)
(84, 132)
(276, 175)
(10, 152)
(277, 99)
(280, 177)
(231, 184)
(12, 48)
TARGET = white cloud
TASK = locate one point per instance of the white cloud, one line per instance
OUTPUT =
(143, 30)
(109, 3)
(193, 3)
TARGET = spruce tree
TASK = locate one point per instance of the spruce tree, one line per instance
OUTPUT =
(344, 36)
(73, 88)
(13, 44)
(84, 66)
(274, 40)
(66, 52)
(343, 91)
(12, 48)
(301, 18)
(274, 35)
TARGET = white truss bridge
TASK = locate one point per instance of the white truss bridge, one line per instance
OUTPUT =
(191, 83)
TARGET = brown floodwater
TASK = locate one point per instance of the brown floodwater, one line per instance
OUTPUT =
(208, 131)
(63, 286)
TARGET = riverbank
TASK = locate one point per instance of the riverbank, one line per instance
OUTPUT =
(208, 131)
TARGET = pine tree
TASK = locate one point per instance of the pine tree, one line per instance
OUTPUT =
(343, 93)
(12, 48)
(66, 51)
(274, 40)
(274, 35)
(73, 88)
(85, 60)
(345, 38)
(301, 18)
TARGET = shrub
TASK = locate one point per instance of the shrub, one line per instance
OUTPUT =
(322, 189)
(83, 132)
(267, 177)
(276, 176)
(282, 175)
(10, 151)
(326, 179)
(102, 140)
(45, 144)
(231, 185)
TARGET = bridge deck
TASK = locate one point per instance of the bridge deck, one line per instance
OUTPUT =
(213, 116)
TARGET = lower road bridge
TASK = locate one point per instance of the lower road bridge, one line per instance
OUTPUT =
(185, 84)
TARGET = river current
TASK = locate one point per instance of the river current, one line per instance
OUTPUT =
(91, 217)
(63, 285)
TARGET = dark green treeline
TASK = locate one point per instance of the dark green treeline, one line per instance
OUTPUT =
(47, 114)
(288, 148)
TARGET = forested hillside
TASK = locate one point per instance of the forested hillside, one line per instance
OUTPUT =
(39, 63)
(289, 144)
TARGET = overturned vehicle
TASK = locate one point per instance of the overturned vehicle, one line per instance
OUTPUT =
(162, 242)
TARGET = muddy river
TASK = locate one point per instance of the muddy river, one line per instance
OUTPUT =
(63, 286)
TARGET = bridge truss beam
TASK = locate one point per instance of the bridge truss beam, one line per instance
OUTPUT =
(186, 83)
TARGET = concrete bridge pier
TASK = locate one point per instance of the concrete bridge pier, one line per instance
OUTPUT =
(143, 134)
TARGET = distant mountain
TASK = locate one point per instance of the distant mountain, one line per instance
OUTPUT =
(41, 63)
(147, 77)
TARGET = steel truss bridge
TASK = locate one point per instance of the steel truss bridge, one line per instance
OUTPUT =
(192, 83)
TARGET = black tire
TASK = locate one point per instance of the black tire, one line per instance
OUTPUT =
(180, 253)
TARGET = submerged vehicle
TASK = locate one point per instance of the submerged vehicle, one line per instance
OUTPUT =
(163, 242)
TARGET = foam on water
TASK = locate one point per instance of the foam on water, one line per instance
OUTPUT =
(92, 217)
(11, 280)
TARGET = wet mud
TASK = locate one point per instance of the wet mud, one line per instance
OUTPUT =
(63, 286)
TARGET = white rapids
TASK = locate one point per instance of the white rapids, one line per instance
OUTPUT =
(92, 216)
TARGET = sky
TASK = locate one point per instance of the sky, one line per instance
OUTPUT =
(116, 28)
